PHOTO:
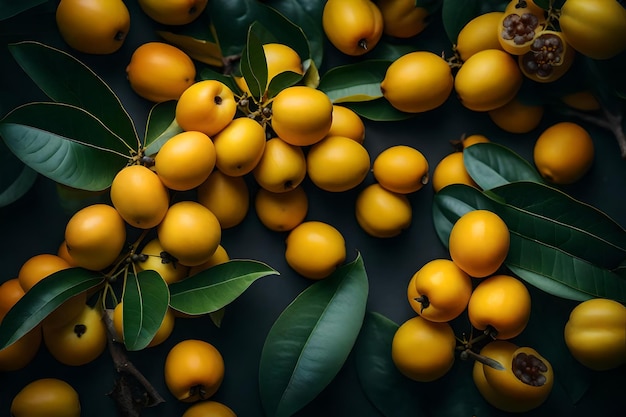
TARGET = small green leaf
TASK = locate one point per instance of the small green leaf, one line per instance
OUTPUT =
(161, 126)
(15, 177)
(145, 302)
(282, 81)
(216, 287)
(10, 8)
(393, 394)
(67, 80)
(42, 299)
(492, 164)
(377, 110)
(50, 138)
(254, 66)
(311, 339)
(354, 82)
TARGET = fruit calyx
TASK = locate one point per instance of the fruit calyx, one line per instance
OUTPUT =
(529, 369)
(424, 301)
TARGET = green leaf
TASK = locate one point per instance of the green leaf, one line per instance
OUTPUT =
(541, 239)
(10, 8)
(209, 74)
(42, 299)
(210, 290)
(15, 177)
(354, 82)
(161, 126)
(281, 81)
(145, 302)
(50, 138)
(456, 14)
(67, 80)
(393, 394)
(254, 66)
(311, 339)
(377, 110)
(491, 165)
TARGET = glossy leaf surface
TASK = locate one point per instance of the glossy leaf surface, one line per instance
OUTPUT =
(491, 165)
(377, 110)
(42, 299)
(145, 302)
(393, 394)
(67, 80)
(253, 65)
(50, 138)
(161, 126)
(216, 287)
(354, 82)
(15, 177)
(311, 339)
(456, 13)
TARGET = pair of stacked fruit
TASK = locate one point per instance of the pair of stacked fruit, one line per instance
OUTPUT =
(424, 347)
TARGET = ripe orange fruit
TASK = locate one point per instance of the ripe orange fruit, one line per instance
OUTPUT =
(401, 169)
(207, 106)
(50, 397)
(281, 212)
(451, 170)
(315, 249)
(39, 267)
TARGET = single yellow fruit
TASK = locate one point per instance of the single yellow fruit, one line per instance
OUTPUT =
(46, 397)
(348, 123)
(155, 258)
(417, 82)
(239, 146)
(159, 72)
(173, 12)
(207, 106)
(190, 232)
(10, 293)
(337, 163)
(401, 169)
(423, 350)
(282, 166)
(283, 211)
(517, 117)
(21, 352)
(139, 196)
(38, 267)
(220, 256)
(301, 115)
(194, 370)
(227, 197)
(451, 170)
(402, 19)
(479, 34)
(63, 253)
(354, 27)
(209, 408)
(487, 80)
(470, 140)
(95, 236)
(79, 342)
(479, 242)
(279, 58)
(93, 26)
(563, 153)
(185, 160)
(162, 334)
(382, 213)
(315, 249)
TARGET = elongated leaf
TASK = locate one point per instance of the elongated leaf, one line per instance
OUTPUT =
(67, 80)
(10, 8)
(378, 110)
(210, 290)
(42, 299)
(161, 126)
(393, 394)
(145, 302)
(492, 164)
(51, 138)
(354, 82)
(254, 66)
(281, 81)
(311, 339)
(543, 263)
(545, 214)
(15, 177)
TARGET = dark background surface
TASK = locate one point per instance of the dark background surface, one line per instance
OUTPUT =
(35, 224)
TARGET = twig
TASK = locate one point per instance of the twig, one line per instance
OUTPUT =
(608, 120)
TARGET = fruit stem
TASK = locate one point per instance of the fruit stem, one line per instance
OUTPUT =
(363, 44)
(609, 121)
(470, 354)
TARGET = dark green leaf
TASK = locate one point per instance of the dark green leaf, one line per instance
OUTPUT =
(42, 299)
(209, 74)
(254, 66)
(311, 339)
(51, 138)
(282, 81)
(161, 126)
(378, 110)
(216, 287)
(15, 177)
(456, 14)
(491, 165)
(354, 82)
(393, 394)
(145, 302)
(10, 8)
(67, 80)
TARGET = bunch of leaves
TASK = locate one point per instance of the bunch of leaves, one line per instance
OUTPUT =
(558, 244)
